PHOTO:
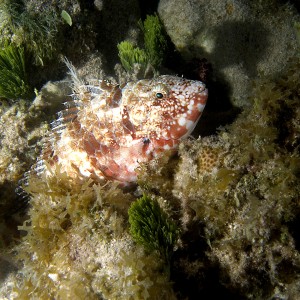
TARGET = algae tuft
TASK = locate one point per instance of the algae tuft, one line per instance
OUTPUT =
(13, 78)
(151, 227)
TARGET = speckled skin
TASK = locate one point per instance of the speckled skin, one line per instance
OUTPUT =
(107, 130)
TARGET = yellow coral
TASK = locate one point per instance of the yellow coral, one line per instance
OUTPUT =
(209, 158)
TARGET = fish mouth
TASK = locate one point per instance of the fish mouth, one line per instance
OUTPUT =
(203, 90)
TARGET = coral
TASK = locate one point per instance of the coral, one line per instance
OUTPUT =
(152, 228)
(209, 159)
(13, 76)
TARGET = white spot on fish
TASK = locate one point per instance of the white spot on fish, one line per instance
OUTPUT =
(182, 121)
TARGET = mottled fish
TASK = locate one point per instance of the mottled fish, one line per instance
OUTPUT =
(107, 130)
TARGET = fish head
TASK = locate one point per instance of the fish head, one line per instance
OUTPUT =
(166, 107)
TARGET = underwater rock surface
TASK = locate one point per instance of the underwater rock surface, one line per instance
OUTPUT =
(241, 39)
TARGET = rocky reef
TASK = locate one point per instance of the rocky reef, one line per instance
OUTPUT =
(241, 39)
(229, 200)
(238, 196)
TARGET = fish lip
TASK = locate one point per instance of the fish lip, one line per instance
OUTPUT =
(203, 86)
(204, 91)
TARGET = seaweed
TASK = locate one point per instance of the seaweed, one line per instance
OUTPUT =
(155, 46)
(13, 76)
(36, 30)
(130, 55)
(83, 228)
(66, 17)
(155, 40)
(151, 227)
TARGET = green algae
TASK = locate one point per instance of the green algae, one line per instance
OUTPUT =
(37, 31)
(13, 77)
(155, 47)
(151, 227)
(155, 40)
(130, 55)
(66, 17)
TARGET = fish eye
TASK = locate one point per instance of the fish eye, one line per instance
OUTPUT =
(159, 95)
(160, 91)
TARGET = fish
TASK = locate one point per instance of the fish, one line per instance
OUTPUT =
(107, 130)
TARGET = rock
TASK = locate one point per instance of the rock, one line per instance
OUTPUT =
(240, 39)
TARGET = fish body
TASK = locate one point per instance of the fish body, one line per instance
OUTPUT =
(107, 130)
